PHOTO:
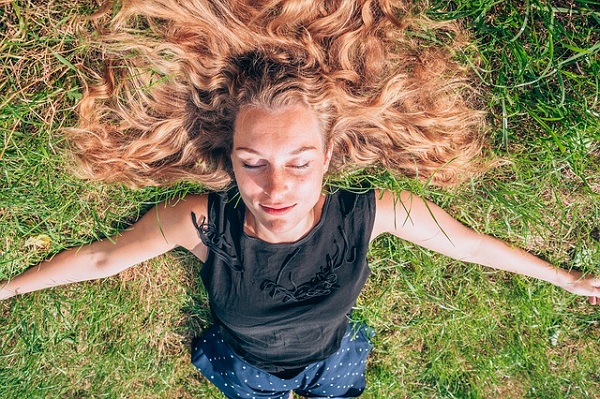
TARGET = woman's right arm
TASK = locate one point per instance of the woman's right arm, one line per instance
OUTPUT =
(163, 228)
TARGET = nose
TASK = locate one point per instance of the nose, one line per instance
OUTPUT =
(276, 184)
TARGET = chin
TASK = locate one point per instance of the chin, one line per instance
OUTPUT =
(280, 226)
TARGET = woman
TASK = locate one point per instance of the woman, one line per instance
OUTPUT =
(284, 259)
(284, 266)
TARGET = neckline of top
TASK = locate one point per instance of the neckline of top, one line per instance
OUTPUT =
(303, 239)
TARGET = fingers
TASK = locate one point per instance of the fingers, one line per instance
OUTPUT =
(592, 285)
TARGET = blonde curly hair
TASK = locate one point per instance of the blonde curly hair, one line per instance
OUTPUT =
(176, 73)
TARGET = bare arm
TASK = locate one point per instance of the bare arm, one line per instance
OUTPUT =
(163, 228)
(422, 222)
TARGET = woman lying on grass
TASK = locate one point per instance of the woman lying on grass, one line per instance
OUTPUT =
(260, 104)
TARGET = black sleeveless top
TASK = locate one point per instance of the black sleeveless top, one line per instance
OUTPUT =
(284, 306)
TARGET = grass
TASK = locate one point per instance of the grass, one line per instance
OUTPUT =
(445, 329)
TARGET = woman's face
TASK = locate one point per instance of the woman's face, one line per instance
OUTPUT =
(279, 159)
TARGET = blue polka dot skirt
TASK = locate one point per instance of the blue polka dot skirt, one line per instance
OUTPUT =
(341, 375)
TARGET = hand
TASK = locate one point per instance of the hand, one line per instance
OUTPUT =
(588, 286)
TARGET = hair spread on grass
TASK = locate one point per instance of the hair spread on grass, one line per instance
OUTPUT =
(176, 73)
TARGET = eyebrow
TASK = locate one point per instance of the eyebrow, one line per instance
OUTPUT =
(295, 152)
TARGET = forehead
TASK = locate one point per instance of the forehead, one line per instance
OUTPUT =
(293, 125)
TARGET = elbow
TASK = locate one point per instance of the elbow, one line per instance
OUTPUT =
(474, 250)
(100, 264)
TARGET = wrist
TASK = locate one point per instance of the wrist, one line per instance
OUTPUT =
(566, 278)
(5, 293)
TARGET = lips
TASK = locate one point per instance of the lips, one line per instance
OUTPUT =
(277, 210)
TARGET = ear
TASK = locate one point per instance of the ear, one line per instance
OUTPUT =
(328, 155)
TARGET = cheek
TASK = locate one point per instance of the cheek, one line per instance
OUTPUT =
(249, 190)
(313, 183)
(247, 184)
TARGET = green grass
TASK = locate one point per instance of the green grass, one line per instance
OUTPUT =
(445, 329)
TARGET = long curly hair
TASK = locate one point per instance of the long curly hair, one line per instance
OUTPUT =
(176, 73)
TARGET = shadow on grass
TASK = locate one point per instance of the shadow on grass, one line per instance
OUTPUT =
(196, 311)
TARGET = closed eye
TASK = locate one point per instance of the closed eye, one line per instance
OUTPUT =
(248, 166)
(303, 166)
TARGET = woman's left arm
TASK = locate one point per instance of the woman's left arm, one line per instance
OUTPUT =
(417, 220)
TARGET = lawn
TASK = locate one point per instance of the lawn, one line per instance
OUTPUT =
(445, 329)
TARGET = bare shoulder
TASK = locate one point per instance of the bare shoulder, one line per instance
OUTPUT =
(183, 207)
(175, 220)
(390, 209)
(386, 203)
